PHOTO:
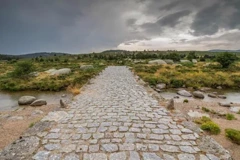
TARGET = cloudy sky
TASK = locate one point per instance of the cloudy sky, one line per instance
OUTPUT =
(79, 26)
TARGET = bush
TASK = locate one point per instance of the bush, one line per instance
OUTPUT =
(205, 109)
(31, 125)
(185, 101)
(204, 119)
(230, 116)
(211, 127)
(188, 64)
(23, 69)
(191, 56)
(175, 83)
(226, 59)
(233, 134)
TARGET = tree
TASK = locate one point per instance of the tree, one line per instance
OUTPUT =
(174, 56)
(191, 56)
(225, 59)
(23, 69)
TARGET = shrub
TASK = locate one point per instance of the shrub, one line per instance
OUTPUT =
(191, 56)
(31, 125)
(23, 69)
(205, 109)
(185, 101)
(151, 80)
(226, 59)
(202, 120)
(211, 127)
(233, 135)
(188, 64)
(230, 116)
(175, 83)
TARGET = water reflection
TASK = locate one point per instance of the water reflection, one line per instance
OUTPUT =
(232, 96)
(9, 100)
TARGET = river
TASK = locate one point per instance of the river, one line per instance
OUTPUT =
(232, 96)
(9, 100)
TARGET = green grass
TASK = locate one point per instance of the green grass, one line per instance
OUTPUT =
(211, 127)
(194, 75)
(233, 135)
(208, 125)
(45, 82)
(202, 120)
(31, 125)
(205, 109)
(230, 116)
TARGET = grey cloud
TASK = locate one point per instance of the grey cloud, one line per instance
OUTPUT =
(170, 20)
(173, 19)
(221, 15)
(131, 21)
(93, 25)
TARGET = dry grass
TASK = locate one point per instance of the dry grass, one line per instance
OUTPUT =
(196, 75)
(74, 90)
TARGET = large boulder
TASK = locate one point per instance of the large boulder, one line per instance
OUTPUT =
(85, 67)
(34, 74)
(219, 87)
(224, 104)
(222, 96)
(39, 102)
(184, 93)
(194, 61)
(196, 114)
(161, 86)
(158, 61)
(204, 89)
(235, 109)
(61, 71)
(50, 71)
(170, 104)
(212, 95)
(169, 61)
(198, 94)
(185, 61)
(26, 100)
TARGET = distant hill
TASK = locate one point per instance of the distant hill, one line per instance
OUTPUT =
(8, 57)
(220, 50)
(41, 54)
(31, 55)
(114, 51)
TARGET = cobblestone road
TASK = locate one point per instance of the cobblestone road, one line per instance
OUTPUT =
(115, 118)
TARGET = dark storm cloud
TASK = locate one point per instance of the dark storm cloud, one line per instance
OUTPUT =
(94, 25)
(221, 15)
(170, 20)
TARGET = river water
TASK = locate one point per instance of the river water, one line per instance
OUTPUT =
(9, 100)
(232, 96)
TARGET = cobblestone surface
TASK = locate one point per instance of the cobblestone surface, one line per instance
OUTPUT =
(115, 118)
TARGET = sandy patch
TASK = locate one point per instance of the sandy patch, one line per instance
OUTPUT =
(196, 105)
(14, 123)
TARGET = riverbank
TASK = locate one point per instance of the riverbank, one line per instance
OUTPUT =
(9, 100)
(47, 76)
(190, 75)
(196, 105)
(14, 123)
